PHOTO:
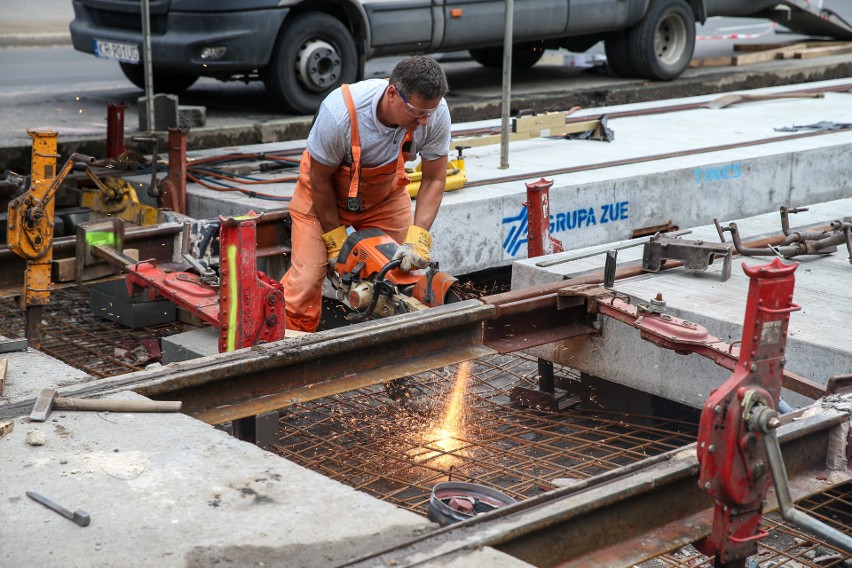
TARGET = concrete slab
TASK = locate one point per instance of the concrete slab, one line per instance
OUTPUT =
(190, 345)
(167, 490)
(817, 345)
(30, 371)
(597, 202)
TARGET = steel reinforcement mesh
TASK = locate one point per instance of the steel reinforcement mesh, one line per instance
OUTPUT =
(85, 341)
(470, 431)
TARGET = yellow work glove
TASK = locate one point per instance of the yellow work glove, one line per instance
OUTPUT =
(414, 250)
(334, 240)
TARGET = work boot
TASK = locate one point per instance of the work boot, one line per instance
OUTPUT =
(406, 391)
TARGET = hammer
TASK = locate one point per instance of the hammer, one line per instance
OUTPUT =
(48, 400)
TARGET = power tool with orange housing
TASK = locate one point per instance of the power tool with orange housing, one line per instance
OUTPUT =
(372, 285)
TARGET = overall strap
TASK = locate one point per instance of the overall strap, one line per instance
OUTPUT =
(352, 202)
(403, 156)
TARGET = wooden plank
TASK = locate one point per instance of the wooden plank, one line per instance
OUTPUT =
(763, 46)
(823, 51)
(6, 427)
(766, 55)
(787, 45)
(572, 128)
(4, 365)
(723, 61)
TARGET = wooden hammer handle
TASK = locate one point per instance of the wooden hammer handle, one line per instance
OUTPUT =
(113, 405)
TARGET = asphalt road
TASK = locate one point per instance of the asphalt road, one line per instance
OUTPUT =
(55, 87)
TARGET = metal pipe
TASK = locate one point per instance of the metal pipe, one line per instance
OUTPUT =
(148, 66)
(115, 129)
(507, 83)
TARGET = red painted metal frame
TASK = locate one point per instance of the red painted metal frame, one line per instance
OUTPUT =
(250, 309)
(539, 241)
(734, 465)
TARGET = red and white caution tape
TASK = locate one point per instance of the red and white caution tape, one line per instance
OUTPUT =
(738, 36)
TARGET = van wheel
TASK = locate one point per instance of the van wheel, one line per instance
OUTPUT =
(172, 83)
(314, 54)
(618, 56)
(662, 43)
(524, 55)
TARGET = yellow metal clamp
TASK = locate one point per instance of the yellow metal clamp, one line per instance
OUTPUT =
(116, 196)
(456, 177)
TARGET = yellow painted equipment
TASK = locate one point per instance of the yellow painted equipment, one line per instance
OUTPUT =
(117, 197)
(456, 177)
(30, 225)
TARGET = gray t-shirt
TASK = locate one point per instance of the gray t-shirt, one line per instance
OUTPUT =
(330, 140)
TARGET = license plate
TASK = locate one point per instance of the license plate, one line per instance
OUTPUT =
(127, 52)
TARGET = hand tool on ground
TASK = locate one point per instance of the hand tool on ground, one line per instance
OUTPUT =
(48, 400)
(79, 516)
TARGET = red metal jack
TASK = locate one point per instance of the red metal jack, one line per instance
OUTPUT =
(734, 463)
(173, 186)
(247, 308)
(539, 241)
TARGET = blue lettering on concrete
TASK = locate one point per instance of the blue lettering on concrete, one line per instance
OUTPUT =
(712, 174)
(562, 221)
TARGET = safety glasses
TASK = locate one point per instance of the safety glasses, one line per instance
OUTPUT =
(418, 112)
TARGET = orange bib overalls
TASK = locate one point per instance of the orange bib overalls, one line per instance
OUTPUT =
(384, 204)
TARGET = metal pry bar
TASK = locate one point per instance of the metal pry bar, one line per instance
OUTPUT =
(79, 516)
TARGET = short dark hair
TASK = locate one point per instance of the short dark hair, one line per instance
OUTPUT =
(420, 75)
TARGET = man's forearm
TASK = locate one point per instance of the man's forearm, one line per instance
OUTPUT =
(429, 198)
(325, 204)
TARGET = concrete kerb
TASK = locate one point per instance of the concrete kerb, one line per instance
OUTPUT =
(16, 156)
(28, 40)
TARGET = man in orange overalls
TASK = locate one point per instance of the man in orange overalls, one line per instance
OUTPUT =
(352, 174)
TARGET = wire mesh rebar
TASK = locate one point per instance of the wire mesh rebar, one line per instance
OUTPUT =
(75, 336)
(370, 443)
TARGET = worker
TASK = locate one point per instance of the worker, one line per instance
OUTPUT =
(352, 173)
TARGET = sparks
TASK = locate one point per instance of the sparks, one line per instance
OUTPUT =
(447, 435)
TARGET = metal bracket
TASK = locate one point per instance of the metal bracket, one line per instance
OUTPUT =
(695, 255)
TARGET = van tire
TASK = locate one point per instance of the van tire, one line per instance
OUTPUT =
(618, 55)
(295, 84)
(524, 55)
(172, 83)
(662, 43)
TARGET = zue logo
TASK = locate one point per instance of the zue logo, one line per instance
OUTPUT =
(562, 221)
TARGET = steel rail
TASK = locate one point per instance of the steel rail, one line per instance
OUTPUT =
(520, 311)
(247, 382)
(620, 518)
(651, 158)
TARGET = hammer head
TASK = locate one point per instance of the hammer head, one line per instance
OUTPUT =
(43, 406)
(81, 517)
